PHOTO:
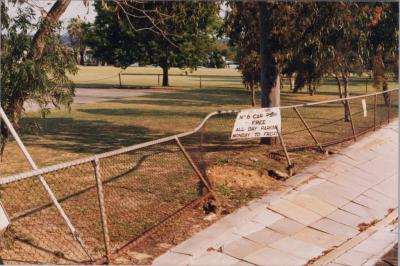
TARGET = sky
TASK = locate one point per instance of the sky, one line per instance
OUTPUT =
(76, 8)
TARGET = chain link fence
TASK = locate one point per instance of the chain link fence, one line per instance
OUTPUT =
(113, 200)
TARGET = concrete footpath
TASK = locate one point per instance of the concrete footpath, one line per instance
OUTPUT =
(340, 211)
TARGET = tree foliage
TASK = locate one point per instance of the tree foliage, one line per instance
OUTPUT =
(78, 32)
(24, 77)
(166, 34)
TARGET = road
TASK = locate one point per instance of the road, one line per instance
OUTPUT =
(89, 95)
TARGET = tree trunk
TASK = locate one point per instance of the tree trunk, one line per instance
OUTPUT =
(82, 55)
(253, 94)
(385, 95)
(346, 94)
(270, 85)
(291, 81)
(310, 89)
(52, 17)
(165, 81)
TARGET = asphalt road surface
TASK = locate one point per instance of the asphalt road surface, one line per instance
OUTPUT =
(89, 95)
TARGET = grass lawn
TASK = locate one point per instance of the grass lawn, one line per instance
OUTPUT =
(98, 127)
(160, 182)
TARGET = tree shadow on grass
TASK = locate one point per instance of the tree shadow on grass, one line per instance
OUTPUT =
(129, 112)
(85, 136)
(194, 97)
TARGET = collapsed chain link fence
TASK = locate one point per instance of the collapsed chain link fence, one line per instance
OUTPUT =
(116, 198)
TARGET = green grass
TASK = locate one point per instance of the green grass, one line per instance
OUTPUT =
(98, 127)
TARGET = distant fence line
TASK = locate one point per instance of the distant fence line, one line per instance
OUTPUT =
(201, 78)
(115, 199)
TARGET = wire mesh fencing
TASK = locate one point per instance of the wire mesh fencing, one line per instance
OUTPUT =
(110, 201)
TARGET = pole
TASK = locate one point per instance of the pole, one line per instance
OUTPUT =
(120, 83)
(290, 165)
(308, 129)
(366, 85)
(103, 216)
(351, 121)
(158, 80)
(197, 171)
(53, 198)
(200, 81)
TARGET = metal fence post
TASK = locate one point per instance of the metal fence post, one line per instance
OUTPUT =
(196, 170)
(375, 103)
(366, 85)
(308, 128)
(120, 83)
(103, 216)
(290, 165)
(158, 80)
(351, 120)
(200, 81)
(46, 186)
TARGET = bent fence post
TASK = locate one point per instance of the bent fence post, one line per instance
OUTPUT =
(197, 171)
(308, 129)
(103, 216)
(46, 186)
(290, 165)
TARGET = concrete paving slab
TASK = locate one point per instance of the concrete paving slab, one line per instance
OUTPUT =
(297, 248)
(297, 179)
(385, 199)
(267, 217)
(287, 226)
(328, 196)
(318, 238)
(293, 211)
(346, 218)
(388, 186)
(360, 211)
(242, 263)
(371, 203)
(334, 228)
(311, 183)
(336, 264)
(353, 257)
(270, 256)
(265, 236)
(351, 182)
(173, 259)
(248, 228)
(240, 248)
(370, 178)
(312, 203)
(375, 246)
(214, 258)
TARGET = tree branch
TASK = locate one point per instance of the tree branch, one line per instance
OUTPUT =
(47, 22)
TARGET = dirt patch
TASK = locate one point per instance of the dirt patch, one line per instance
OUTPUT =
(238, 177)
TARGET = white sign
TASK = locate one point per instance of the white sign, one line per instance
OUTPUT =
(364, 106)
(257, 123)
